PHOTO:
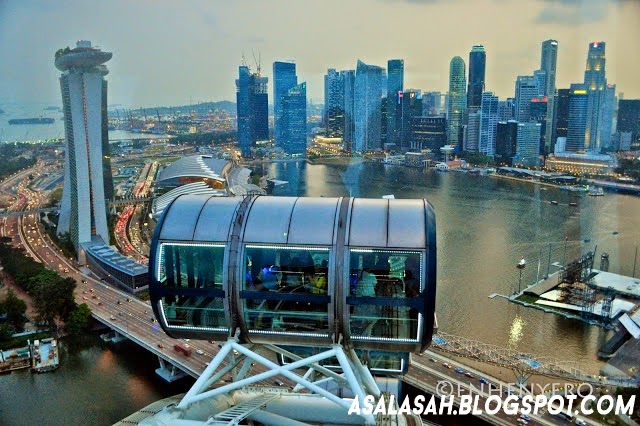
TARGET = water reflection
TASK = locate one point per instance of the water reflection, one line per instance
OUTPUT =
(516, 332)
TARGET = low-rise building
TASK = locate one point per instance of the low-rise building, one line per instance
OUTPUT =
(581, 163)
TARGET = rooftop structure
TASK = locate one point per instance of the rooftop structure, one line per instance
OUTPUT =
(83, 56)
(115, 268)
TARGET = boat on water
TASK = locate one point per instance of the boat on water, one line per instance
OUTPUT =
(596, 192)
(575, 188)
(40, 120)
(573, 204)
(554, 202)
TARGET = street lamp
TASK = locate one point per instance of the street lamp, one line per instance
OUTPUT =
(521, 265)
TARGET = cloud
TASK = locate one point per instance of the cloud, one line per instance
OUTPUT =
(573, 12)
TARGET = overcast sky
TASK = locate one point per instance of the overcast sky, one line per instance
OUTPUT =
(168, 52)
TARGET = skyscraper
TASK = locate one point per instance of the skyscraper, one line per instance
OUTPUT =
(596, 83)
(506, 109)
(506, 140)
(431, 103)
(410, 106)
(284, 78)
(538, 113)
(456, 101)
(477, 64)
(294, 120)
(548, 63)
(367, 103)
(577, 118)
(87, 172)
(395, 88)
(333, 104)
(428, 132)
(560, 116)
(606, 112)
(472, 132)
(629, 119)
(528, 145)
(252, 108)
(527, 88)
(488, 122)
(348, 78)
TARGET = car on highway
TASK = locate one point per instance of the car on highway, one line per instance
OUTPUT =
(160, 345)
(468, 374)
(94, 297)
(85, 298)
(113, 318)
(433, 360)
(447, 365)
(100, 304)
(459, 370)
(153, 319)
(484, 381)
(200, 352)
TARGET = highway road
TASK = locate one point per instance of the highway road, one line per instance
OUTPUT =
(427, 370)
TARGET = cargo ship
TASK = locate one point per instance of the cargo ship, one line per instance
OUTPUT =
(41, 120)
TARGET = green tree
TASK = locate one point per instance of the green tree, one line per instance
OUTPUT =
(6, 331)
(79, 319)
(15, 309)
(52, 296)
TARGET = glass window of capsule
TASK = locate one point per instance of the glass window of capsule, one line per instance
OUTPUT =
(286, 289)
(194, 273)
(384, 291)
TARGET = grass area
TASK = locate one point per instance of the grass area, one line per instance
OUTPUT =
(55, 196)
(527, 298)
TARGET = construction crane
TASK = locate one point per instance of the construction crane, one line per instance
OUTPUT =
(257, 61)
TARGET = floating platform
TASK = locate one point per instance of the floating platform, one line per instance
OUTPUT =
(45, 356)
(14, 359)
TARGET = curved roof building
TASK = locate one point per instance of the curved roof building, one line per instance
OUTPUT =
(297, 271)
(201, 174)
(195, 188)
(204, 168)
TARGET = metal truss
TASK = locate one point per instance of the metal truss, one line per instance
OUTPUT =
(243, 402)
(522, 363)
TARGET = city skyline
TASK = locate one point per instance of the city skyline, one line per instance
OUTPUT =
(205, 48)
